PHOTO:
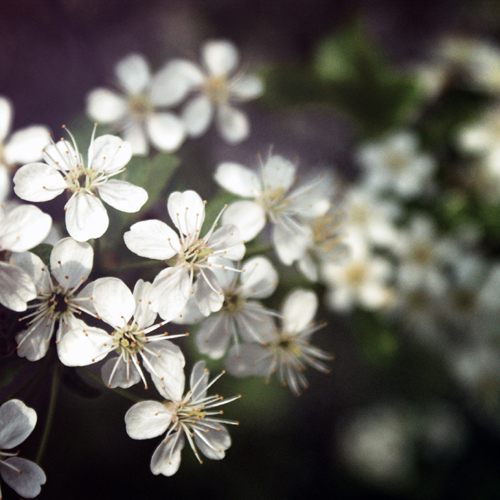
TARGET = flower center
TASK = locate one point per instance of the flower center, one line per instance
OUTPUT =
(129, 340)
(356, 275)
(233, 303)
(82, 179)
(139, 106)
(216, 89)
(58, 304)
(273, 200)
(195, 255)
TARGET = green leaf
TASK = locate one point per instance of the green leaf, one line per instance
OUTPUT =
(75, 383)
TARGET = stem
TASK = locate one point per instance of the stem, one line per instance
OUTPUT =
(117, 390)
(257, 250)
(54, 391)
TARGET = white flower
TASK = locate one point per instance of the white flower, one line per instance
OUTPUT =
(65, 169)
(135, 113)
(132, 320)
(240, 316)
(362, 280)
(187, 254)
(395, 164)
(23, 146)
(270, 191)
(17, 421)
(57, 297)
(216, 86)
(182, 417)
(22, 229)
(287, 351)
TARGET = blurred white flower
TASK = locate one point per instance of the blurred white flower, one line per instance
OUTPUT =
(17, 422)
(136, 112)
(65, 169)
(395, 163)
(188, 255)
(287, 351)
(20, 230)
(270, 190)
(189, 417)
(132, 321)
(57, 298)
(216, 87)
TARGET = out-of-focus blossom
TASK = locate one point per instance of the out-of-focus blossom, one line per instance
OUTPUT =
(136, 112)
(20, 230)
(216, 85)
(187, 255)
(272, 198)
(286, 351)
(17, 422)
(65, 169)
(182, 417)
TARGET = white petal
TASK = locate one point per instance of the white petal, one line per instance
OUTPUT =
(233, 124)
(208, 293)
(113, 301)
(36, 269)
(308, 267)
(187, 211)
(167, 457)
(166, 131)
(124, 375)
(170, 292)
(147, 419)
(71, 262)
(25, 146)
(4, 183)
(105, 106)
(16, 287)
(17, 422)
(5, 117)
(190, 314)
(135, 135)
(173, 83)
(214, 335)
(143, 315)
(256, 324)
(38, 182)
(108, 153)
(152, 239)
(278, 173)
(83, 347)
(133, 73)
(61, 156)
(197, 115)
(86, 217)
(259, 279)
(290, 245)
(198, 381)
(34, 342)
(247, 216)
(24, 228)
(226, 242)
(249, 359)
(123, 196)
(27, 483)
(299, 310)
(238, 179)
(220, 57)
(212, 442)
(247, 87)
(165, 362)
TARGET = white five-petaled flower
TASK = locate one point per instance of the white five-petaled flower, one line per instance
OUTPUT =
(182, 417)
(286, 351)
(65, 169)
(241, 316)
(17, 421)
(187, 255)
(22, 229)
(137, 113)
(217, 87)
(132, 321)
(23, 146)
(270, 190)
(57, 297)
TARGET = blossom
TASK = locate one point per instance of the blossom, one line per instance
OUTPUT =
(21, 229)
(181, 417)
(216, 86)
(240, 316)
(23, 146)
(17, 421)
(395, 163)
(187, 255)
(135, 111)
(65, 169)
(132, 321)
(271, 199)
(58, 300)
(287, 351)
